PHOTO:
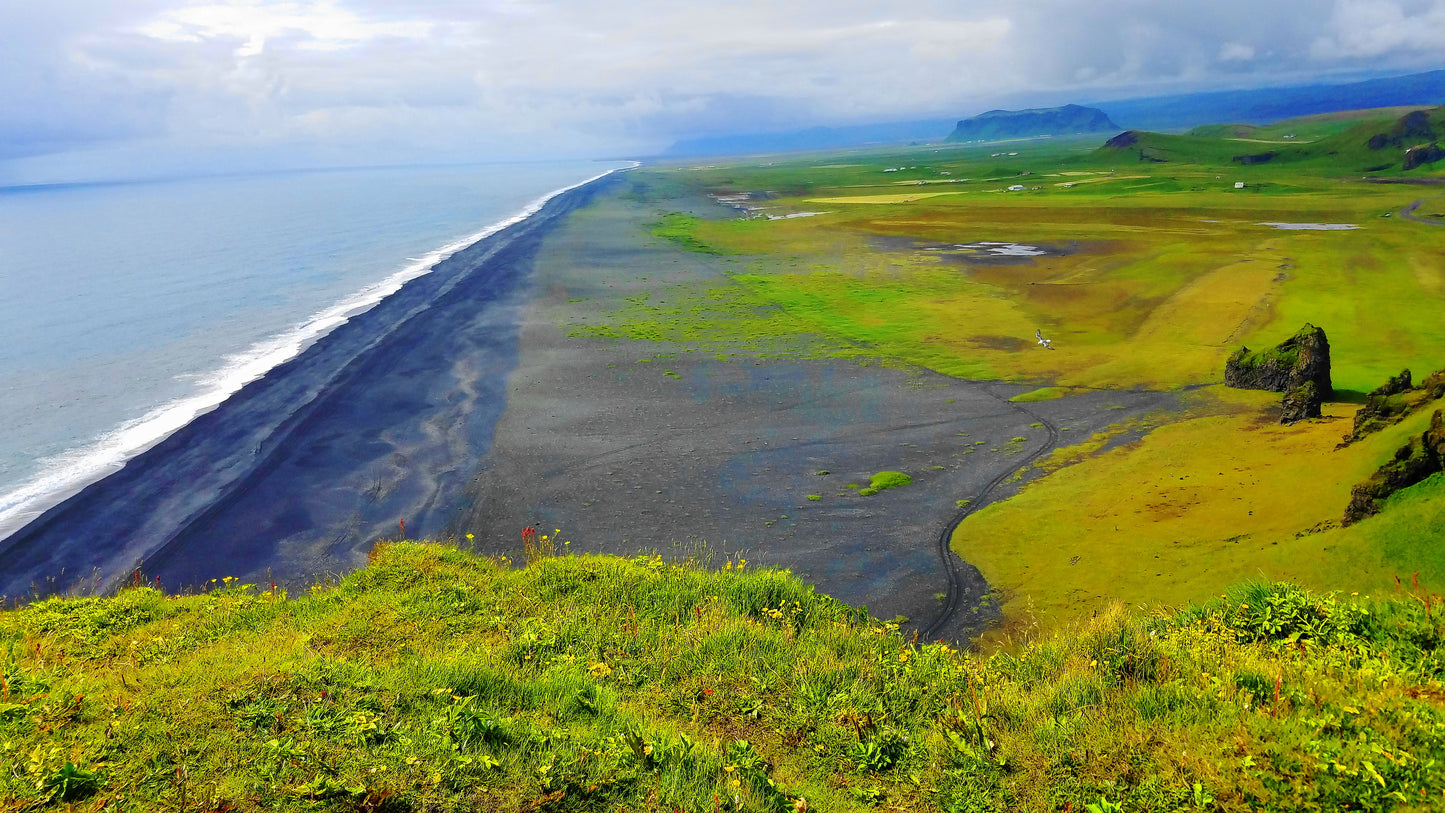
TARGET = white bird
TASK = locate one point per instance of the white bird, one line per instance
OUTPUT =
(1045, 342)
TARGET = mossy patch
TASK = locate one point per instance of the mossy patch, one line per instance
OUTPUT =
(884, 480)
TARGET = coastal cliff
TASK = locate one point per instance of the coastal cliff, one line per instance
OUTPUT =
(1000, 124)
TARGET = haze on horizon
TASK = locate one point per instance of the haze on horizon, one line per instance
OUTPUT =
(93, 89)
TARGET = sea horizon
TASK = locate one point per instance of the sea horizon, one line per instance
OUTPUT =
(93, 374)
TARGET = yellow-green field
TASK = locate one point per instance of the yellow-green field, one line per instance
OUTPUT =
(1158, 272)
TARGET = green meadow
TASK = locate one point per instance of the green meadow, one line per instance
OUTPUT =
(1151, 268)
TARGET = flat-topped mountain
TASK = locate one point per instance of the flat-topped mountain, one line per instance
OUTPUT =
(1000, 124)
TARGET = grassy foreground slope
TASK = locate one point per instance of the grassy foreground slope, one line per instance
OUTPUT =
(436, 680)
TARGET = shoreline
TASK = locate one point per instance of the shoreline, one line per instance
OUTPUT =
(74, 469)
(164, 507)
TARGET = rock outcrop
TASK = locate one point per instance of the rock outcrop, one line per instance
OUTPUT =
(1416, 460)
(1423, 154)
(1255, 158)
(1305, 356)
(1301, 402)
(1394, 386)
(1124, 140)
(1392, 402)
(1410, 129)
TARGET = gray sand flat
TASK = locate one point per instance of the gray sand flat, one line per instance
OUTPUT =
(723, 454)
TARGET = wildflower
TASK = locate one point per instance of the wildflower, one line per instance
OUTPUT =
(599, 669)
(471, 536)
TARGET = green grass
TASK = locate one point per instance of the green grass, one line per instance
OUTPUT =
(680, 230)
(433, 680)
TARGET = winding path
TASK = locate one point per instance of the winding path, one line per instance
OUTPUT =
(945, 550)
(1409, 212)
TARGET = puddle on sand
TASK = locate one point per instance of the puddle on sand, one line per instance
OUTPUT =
(1312, 226)
(979, 252)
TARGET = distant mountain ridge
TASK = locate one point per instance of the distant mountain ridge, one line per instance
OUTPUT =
(812, 138)
(1265, 105)
(1039, 121)
(1177, 112)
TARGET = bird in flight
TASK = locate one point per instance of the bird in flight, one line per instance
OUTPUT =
(1045, 342)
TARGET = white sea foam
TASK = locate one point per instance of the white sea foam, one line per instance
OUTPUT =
(66, 474)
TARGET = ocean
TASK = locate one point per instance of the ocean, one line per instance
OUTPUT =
(129, 309)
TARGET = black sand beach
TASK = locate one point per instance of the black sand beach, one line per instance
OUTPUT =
(297, 474)
(461, 405)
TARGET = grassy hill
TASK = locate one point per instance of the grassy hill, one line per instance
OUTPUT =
(1372, 141)
(1305, 128)
(437, 680)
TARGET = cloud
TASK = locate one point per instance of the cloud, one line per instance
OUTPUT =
(478, 78)
(1373, 28)
(1236, 52)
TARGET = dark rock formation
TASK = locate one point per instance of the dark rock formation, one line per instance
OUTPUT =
(1416, 460)
(1418, 156)
(1392, 402)
(1304, 357)
(1434, 385)
(1394, 386)
(1257, 158)
(1301, 402)
(997, 124)
(1124, 140)
(1411, 129)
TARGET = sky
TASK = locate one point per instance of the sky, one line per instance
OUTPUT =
(90, 88)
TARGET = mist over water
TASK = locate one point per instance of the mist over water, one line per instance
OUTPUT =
(128, 309)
